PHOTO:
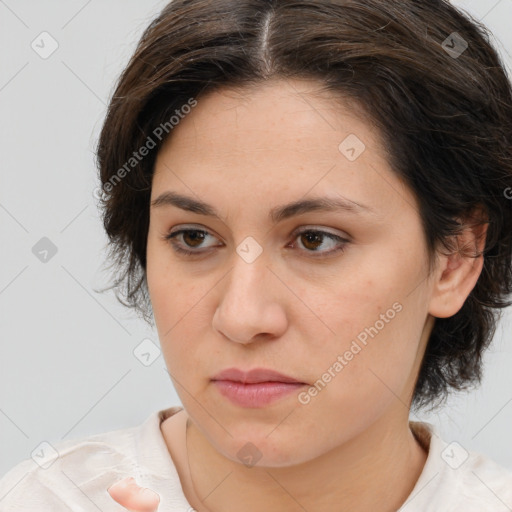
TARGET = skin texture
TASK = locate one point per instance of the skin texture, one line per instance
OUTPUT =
(245, 152)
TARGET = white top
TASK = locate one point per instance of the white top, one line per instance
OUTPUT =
(78, 478)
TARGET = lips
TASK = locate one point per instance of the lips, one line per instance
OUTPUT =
(254, 376)
(255, 388)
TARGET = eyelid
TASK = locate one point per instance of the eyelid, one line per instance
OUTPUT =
(322, 229)
(183, 228)
(297, 231)
(341, 241)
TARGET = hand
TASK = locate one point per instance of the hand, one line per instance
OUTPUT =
(134, 498)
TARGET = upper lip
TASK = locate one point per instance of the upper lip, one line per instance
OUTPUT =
(253, 376)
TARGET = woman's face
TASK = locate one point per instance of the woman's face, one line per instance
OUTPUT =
(347, 316)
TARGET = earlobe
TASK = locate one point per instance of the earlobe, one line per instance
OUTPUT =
(458, 272)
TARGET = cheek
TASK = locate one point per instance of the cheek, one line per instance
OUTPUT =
(177, 301)
(353, 391)
(378, 364)
(169, 291)
(378, 325)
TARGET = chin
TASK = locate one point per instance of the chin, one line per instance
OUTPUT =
(260, 449)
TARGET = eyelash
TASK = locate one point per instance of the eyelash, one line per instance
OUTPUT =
(170, 236)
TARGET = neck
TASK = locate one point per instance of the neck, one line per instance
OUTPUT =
(375, 471)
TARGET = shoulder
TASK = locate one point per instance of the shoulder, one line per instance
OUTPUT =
(458, 480)
(484, 484)
(76, 471)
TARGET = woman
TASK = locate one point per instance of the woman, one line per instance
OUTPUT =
(312, 199)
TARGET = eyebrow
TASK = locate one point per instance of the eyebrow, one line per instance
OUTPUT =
(277, 214)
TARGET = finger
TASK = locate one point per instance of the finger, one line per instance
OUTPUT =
(133, 497)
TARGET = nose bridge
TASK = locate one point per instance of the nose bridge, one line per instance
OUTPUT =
(247, 305)
(246, 281)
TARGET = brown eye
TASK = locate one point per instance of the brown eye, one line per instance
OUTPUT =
(188, 239)
(312, 240)
(193, 238)
(190, 242)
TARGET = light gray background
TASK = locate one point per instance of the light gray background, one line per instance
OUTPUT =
(67, 367)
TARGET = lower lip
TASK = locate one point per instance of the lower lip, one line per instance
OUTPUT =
(255, 395)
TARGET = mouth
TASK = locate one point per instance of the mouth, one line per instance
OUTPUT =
(254, 376)
(255, 388)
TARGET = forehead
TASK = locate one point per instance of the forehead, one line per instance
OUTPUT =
(293, 108)
(286, 136)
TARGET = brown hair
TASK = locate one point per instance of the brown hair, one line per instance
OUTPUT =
(424, 72)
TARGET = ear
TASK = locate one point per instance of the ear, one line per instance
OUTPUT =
(457, 273)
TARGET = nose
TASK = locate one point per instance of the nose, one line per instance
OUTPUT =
(251, 303)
